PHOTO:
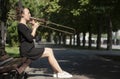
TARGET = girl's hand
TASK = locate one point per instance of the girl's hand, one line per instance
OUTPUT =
(35, 25)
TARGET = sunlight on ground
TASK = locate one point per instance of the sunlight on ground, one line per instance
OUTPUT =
(84, 77)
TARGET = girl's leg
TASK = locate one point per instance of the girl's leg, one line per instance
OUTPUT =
(48, 52)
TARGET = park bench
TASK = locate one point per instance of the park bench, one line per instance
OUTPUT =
(13, 68)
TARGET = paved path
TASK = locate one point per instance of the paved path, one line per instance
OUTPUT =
(83, 64)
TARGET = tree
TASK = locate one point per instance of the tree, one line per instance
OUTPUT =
(106, 8)
(3, 18)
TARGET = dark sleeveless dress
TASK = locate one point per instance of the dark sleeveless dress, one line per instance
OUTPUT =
(27, 48)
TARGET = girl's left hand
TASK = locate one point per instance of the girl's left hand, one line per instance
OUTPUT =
(35, 25)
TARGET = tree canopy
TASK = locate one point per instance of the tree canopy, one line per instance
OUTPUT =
(83, 15)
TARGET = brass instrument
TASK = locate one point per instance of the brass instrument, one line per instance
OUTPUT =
(49, 23)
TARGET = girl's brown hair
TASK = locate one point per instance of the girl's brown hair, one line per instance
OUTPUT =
(19, 11)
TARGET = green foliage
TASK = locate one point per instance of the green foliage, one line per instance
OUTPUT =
(12, 34)
(38, 8)
(79, 14)
(53, 6)
(82, 7)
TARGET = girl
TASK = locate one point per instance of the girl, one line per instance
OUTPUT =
(27, 48)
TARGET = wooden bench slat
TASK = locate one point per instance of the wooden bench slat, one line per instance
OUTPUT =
(6, 69)
(9, 64)
(5, 61)
(14, 61)
(18, 64)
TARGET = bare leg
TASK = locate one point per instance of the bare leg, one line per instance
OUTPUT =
(52, 60)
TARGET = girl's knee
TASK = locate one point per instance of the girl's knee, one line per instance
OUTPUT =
(49, 51)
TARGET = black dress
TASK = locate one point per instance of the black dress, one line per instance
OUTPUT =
(27, 48)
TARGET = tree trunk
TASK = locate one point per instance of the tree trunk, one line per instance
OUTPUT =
(56, 38)
(109, 35)
(60, 36)
(99, 30)
(64, 39)
(4, 11)
(78, 39)
(0, 35)
(2, 39)
(70, 40)
(49, 36)
(3, 34)
(98, 39)
(84, 40)
(74, 40)
(89, 40)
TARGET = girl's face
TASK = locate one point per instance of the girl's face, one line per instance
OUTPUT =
(26, 14)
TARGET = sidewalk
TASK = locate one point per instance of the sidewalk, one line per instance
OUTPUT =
(83, 64)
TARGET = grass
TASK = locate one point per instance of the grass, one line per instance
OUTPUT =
(12, 51)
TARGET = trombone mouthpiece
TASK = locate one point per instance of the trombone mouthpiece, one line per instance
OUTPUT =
(37, 19)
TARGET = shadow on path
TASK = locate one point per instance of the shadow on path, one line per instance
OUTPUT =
(80, 63)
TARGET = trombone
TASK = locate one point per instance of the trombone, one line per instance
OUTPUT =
(55, 24)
